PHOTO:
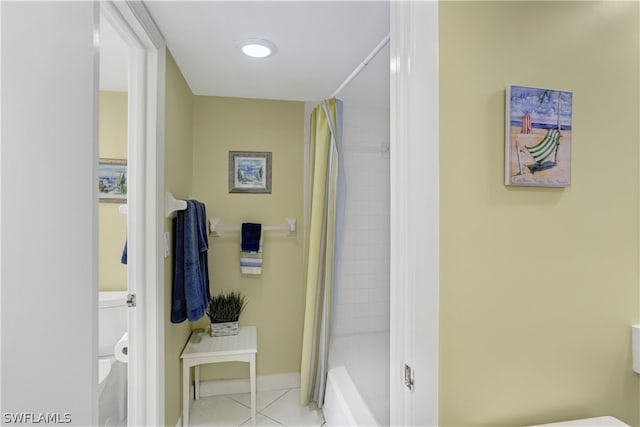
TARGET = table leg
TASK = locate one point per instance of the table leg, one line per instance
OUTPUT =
(197, 382)
(185, 394)
(252, 379)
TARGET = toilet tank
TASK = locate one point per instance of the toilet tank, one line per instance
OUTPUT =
(112, 320)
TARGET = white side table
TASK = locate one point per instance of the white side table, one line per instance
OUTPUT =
(203, 348)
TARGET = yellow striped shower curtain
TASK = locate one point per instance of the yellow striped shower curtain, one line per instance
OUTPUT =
(324, 206)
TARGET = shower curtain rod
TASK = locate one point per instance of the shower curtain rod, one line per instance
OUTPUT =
(363, 64)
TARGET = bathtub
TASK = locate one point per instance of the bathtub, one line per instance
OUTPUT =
(357, 392)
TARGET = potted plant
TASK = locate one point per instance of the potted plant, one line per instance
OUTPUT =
(224, 311)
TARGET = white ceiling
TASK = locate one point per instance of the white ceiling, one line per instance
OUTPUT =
(113, 58)
(319, 44)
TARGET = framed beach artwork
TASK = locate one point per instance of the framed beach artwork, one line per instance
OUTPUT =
(538, 137)
(249, 172)
(112, 180)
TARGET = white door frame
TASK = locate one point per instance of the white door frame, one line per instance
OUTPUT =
(145, 272)
(414, 212)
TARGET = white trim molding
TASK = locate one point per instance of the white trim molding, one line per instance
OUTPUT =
(145, 273)
(414, 212)
(263, 383)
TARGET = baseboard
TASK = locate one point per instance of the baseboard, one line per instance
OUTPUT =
(263, 383)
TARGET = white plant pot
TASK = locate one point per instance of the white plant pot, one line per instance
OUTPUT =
(224, 329)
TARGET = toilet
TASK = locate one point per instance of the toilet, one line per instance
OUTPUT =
(112, 373)
(589, 422)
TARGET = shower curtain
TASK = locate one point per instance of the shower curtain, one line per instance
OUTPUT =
(325, 208)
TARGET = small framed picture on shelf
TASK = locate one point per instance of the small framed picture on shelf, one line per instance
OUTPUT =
(112, 180)
(249, 172)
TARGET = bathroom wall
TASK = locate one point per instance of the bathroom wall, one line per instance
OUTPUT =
(177, 180)
(200, 131)
(48, 316)
(362, 284)
(112, 225)
(276, 297)
(538, 286)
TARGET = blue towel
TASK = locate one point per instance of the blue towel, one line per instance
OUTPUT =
(191, 293)
(251, 237)
(123, 258)
(250, 262)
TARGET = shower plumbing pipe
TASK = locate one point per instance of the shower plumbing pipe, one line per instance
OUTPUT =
(363, 64)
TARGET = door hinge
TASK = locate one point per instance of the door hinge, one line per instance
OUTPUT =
(408, 377)
(131, 300)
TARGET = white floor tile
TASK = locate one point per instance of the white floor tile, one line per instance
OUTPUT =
(263, 398)
(261, 421)
(287, 411)
(275, 408)
(218, 411)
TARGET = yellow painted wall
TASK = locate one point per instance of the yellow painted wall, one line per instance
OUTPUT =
(538, 287)
(112, 226)
(275, 298)
(177, 170)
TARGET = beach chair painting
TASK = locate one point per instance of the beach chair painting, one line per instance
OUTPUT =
(538, 137)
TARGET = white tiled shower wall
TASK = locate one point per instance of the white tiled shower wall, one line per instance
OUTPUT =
(362, 300)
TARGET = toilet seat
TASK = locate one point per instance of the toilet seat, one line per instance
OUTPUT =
(104, 367)
(112, 398)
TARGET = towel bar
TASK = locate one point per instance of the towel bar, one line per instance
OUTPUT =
(215, 228)
(171, 204)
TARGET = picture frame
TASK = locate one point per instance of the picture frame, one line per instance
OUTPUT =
(112, 181)
(249, 172)
(538, 137)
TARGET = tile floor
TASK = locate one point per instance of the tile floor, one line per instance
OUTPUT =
(275, 408)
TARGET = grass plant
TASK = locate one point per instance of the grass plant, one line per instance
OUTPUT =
(226, 307)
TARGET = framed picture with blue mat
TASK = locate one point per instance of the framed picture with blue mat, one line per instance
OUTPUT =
(249, 172)
(112, 180)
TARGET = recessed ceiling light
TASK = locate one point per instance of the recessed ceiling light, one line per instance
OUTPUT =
(258, 48)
